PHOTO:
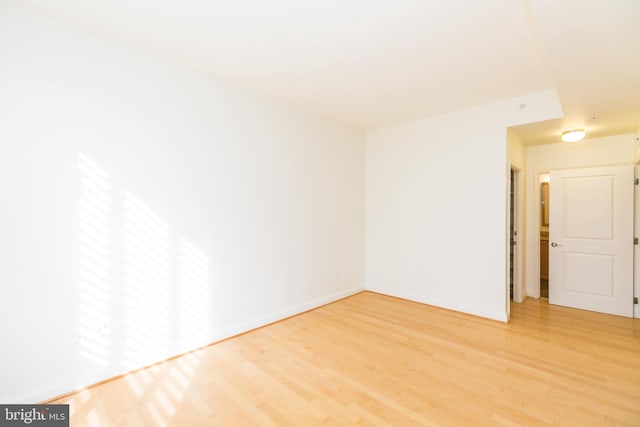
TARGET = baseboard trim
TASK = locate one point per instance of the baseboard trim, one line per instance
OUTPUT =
(52, 393)
(438, 304)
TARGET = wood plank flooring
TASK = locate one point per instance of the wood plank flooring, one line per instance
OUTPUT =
(375, 360)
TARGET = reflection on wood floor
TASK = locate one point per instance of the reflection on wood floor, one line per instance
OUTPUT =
(376, 360)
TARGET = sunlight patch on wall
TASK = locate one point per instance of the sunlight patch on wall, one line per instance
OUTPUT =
(93, 220)
(164, 300)
(194, 296)
(147, 280)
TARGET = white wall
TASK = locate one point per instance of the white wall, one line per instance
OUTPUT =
(614, 150)
(437, 205)
(148, 210)
(516, 150)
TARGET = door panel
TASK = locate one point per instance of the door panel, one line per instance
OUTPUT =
(591, 239)
(589, 207)
(589, 274)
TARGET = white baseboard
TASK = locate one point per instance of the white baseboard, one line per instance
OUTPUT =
(501, 317)
(53, 390)
(274, 317)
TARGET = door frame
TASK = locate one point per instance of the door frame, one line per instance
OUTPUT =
(518, 277)
(636, 248)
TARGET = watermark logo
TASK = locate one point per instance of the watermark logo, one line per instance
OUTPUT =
(34, 415)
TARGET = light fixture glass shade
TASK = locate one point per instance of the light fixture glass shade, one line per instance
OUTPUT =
(572, 135)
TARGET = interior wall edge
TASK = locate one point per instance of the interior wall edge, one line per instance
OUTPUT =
(439, 304)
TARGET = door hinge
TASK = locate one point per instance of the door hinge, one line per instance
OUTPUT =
(635, 240)
(635, 300)
(636, 181)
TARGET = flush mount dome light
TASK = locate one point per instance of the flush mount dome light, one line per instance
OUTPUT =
(572, 135)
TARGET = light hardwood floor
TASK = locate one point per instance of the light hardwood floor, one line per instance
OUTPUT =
(376, 360)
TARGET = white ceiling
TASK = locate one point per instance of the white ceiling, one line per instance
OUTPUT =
(370, 63)
(592, 51)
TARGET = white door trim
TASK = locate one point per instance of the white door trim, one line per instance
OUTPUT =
(636, 248)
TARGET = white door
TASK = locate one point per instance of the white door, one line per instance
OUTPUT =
(591, 239)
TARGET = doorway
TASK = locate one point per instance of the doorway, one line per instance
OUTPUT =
(591, 241)
(514, 280)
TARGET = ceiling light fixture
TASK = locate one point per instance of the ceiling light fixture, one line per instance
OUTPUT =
(572, 135)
